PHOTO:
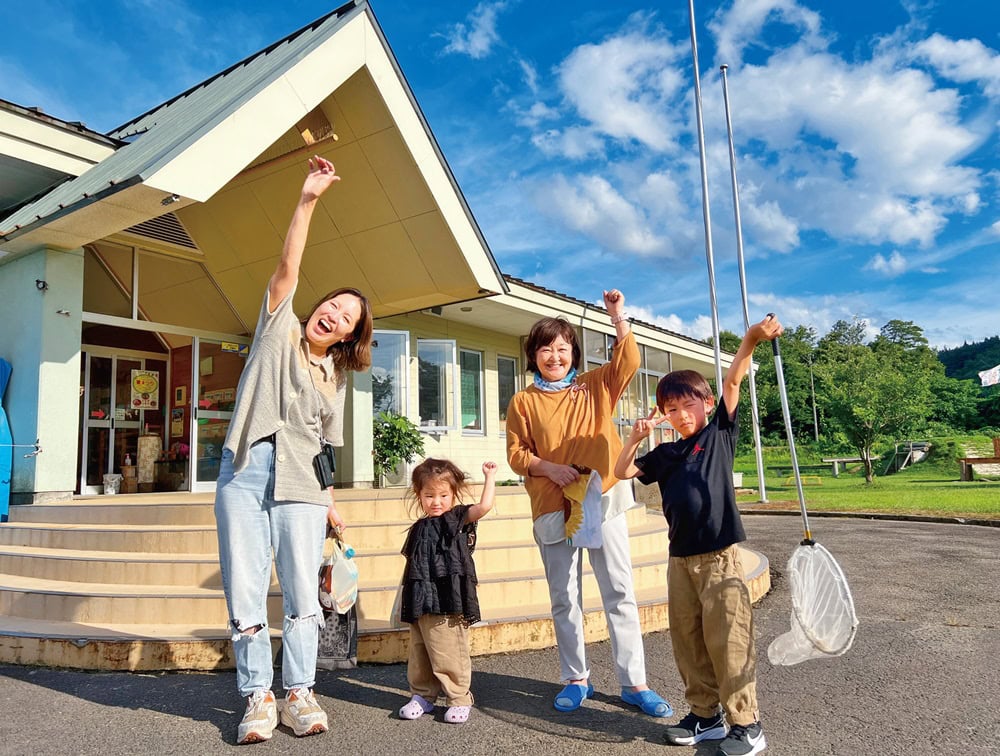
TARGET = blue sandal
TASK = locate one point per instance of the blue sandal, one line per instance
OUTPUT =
(571, 697)
(649, 701)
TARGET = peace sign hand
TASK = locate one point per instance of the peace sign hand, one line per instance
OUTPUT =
(645, 425)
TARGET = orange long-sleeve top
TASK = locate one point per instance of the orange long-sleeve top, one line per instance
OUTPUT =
(570, 427)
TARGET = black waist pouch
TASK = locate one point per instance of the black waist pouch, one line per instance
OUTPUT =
(325, 464)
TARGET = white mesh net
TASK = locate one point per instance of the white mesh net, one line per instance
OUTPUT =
(823, 619)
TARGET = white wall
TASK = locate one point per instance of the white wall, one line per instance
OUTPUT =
(43, 346)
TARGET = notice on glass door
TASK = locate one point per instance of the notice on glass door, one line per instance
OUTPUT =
(145, 389)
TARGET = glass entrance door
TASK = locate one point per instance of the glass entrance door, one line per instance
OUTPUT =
(112, 419)
(217, 367)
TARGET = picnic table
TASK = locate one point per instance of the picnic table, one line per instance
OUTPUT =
(966, 463)
(782, 470)
(785, 471)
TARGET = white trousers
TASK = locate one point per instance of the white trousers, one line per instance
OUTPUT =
(612, 565)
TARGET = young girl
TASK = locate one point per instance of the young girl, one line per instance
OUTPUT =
(439, 588)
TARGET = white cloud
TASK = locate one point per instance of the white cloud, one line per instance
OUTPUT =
(699, 328)
(477, 37)
(962, 60)
(859, 151)
(534, 115)
(573, 142)
(592, 206)
(530, 74)
(624, 86)
(741, 24)
(891, 266)
(820, 312)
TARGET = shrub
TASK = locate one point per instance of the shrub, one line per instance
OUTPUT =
(395, 439)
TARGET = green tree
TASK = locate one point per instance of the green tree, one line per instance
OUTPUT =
(954, 403)
(873, 396)
(844, 334)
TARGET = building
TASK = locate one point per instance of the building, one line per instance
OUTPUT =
(133, 264)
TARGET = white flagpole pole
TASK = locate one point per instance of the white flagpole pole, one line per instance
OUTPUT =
(743, 285)
(704, 206)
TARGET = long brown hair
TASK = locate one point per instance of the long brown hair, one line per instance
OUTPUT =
(355, 354)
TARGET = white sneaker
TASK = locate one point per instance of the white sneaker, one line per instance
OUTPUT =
(303, 714)
(260, 719)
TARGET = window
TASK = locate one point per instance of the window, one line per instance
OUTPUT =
(471, 378)
(435, 379)
(506, 386)
(390, 352)
(656, 364)
(597, 349)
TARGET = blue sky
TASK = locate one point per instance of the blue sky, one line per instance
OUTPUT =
(866, 137)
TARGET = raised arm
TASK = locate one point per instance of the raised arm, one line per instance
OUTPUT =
(477, 511)
(625, 467)
(766, 330)
(614, 302)
(321, 175)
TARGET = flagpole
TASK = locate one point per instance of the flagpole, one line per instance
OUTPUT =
(704, 206)
(743, 284)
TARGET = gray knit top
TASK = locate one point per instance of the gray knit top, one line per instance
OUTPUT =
(276, 397)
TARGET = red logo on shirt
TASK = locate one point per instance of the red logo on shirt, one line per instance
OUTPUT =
(698, 449)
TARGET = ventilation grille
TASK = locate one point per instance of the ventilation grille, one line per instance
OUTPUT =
(165, 228)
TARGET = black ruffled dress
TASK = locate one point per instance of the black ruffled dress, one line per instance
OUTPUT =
(440, 576)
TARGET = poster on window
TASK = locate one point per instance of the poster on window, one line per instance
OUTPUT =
(145, 389)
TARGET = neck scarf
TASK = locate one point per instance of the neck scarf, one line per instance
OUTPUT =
(565, 383)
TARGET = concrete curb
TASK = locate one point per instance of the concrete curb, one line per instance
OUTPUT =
(984, 522)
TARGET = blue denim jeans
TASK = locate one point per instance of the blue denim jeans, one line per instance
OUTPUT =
(250, 525)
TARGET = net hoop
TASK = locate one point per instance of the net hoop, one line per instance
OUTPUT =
(802, 615)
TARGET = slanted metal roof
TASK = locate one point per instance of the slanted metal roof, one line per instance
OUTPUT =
(157, 137)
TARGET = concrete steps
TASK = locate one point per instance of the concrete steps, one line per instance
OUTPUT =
(133, 582)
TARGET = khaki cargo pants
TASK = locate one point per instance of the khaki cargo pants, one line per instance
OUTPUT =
(711, 627)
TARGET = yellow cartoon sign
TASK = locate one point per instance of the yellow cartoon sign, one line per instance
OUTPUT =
(145, 389)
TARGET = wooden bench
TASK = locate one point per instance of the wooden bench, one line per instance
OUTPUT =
(966, 463)
(838, 461)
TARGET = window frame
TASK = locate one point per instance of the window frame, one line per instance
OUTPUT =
(451, 409)
(404, 372)
(515, 380)
(481, 384)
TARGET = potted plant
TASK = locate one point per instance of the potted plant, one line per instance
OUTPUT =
(395, 440)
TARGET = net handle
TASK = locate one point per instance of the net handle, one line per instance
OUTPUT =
(779, 371)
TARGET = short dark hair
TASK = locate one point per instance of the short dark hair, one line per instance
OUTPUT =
(544, 332)
(355, 354)
(680, 384)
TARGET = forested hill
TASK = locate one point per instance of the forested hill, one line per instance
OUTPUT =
(968, 360)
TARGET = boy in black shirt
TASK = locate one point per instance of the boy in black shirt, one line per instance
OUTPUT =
(711, 621)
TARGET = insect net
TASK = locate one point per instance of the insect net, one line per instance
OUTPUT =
(824, 622)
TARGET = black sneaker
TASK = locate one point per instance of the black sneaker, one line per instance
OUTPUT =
(743, 741)
(694, 729)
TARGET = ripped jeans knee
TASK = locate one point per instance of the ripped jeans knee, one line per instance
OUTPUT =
(292, 621)
(240, 631)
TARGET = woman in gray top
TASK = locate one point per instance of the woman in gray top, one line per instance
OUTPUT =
(268, 497)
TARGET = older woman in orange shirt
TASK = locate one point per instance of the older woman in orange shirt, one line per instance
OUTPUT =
(558, 426)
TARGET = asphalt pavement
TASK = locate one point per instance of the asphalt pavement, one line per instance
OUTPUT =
(922, 676)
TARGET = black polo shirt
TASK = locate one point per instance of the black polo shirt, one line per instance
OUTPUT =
(695, 476)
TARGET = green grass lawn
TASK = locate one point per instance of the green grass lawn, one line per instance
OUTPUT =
(926, 488)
